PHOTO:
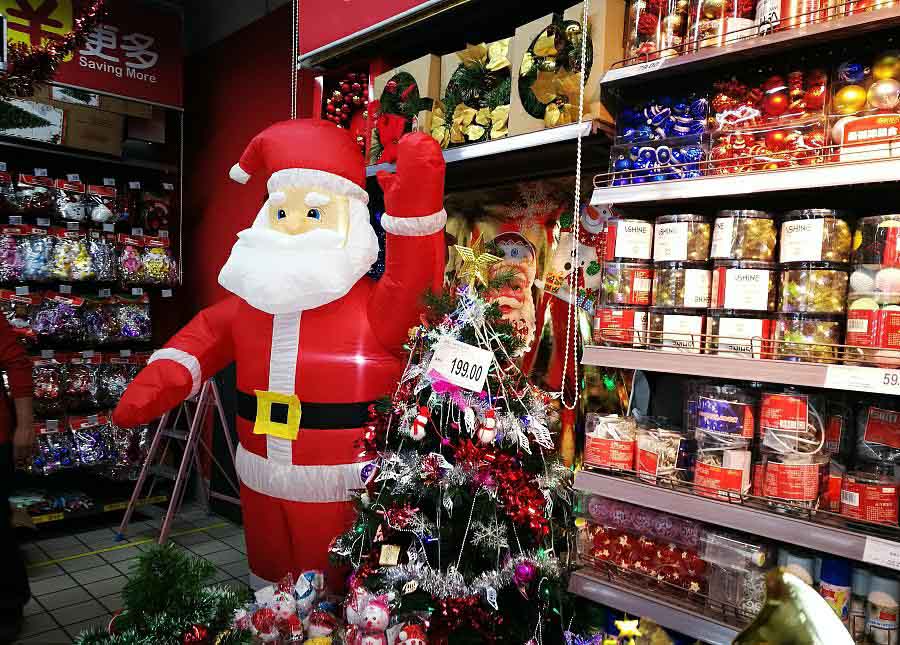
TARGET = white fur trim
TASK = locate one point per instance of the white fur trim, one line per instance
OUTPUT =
(308, 178)
(187, 361)
(414, 226)
(312, 484)
(238, 174)
(282, 376)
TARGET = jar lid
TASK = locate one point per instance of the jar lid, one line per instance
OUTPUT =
(815, 213)
(678, 311)
(875, 220)
(671, 265)
(815, 266)
(629, 218)
(889, 586)
(751, 214)
(682, 217)
(836, 571)
(872, 300)
(740, 313)
(627, 265)
(745, 264)
(810, 317)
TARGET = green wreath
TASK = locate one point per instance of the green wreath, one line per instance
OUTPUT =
(550, 75)
(475, 106)
(401, 98)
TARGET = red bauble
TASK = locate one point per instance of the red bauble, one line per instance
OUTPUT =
(196, 635)
(345, 87)
(814, 98)
(330, 108)
(345, 116)
(776, 140)
(345, 108)
(352, 76)
(356, 87)
(647, 24)
(391, 87)
(774, 83)
(775, 104)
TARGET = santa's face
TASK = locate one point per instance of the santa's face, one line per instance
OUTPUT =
(514, 298)
(295, 211)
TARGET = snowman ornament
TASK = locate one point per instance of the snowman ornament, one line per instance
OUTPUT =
(417, 430)
(487, 430)
(412, 635)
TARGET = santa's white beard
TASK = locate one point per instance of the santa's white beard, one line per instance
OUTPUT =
(279, 273)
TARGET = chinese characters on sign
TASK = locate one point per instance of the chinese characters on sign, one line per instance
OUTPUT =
(131, 54)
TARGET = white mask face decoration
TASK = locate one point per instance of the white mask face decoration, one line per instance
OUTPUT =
(284, 272)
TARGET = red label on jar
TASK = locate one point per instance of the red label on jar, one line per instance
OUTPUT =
(783, 413)
(647, 462)
(870, 502)
(834, 430)
(831, 492)
(868, 328)
(795, 482)
(609, 453)
(641, 283)
(625, 326)
(891, 253)
(715, 481)
(756, 485)
(882, 427)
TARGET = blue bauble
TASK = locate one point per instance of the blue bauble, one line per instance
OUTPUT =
(658, 116)
(699, 108)
(641, 166)
(638, 180)
(633, 152)
(680, 109)
(692, 153)
(664, 154)
(644, 133)
(692, 174)
(647, 155)
(629, 135)
(622, 181)
(622, 164)
(660, 176)
(851, 72)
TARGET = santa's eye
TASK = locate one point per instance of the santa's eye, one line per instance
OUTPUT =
(314, 213)
(281, 213)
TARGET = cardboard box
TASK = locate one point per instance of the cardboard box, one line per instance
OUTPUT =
(606, 24)
(94, 130)
(426, 73)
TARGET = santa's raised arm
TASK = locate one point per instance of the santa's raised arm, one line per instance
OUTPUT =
(315, 340)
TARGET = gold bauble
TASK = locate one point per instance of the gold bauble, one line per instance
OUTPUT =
(673, 24)
(887, 66)
(712, 8)
(682, 6)
(850, 99)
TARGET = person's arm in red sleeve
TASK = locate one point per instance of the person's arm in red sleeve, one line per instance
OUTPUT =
(414, 223)
(15, 362)
(174, 373)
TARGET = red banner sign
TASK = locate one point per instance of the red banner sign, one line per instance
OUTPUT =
(323, 22)
(136, 53)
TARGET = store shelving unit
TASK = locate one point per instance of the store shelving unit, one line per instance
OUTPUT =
(99, 509)
(820, 536)
(823, 532)
(666, 612)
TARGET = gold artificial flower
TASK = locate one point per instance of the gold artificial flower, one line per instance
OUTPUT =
(463, 115)
(545, 45)
(456, 134)
(439, 128)
(498, 52)
(527, 64)
(551, 115)
(474, 132)
(483, 117)
(473, 55)
(568, 84)
(499, 122)
(544, 87)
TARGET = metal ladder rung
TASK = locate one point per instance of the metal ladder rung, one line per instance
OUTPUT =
(180, 435)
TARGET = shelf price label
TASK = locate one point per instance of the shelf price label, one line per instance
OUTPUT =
(863, 379)
(884, 553)
(650, 66)
(463, 365)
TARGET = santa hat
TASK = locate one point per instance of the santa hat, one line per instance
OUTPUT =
(305, 153)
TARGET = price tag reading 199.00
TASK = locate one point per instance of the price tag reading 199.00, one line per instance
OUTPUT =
(463, 365)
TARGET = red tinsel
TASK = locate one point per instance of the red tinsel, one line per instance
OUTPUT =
(398, 517)
(454, 614)
(37, 64)
(196, 635)
(647, 23)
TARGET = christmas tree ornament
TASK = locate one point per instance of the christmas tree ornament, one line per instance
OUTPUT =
(412, 634)
(475, 263)
(196, 635)
(887, 66)
(884, 94)
(487, 430)
(851, 73)
(417, 430)
(850, 99)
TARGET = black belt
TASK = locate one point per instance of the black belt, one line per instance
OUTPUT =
(314, 416)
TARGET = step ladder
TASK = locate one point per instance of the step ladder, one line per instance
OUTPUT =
(195, 412)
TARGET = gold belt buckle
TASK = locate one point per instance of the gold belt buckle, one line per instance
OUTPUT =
(277, 414)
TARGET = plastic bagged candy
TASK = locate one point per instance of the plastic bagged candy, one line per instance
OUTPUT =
(19, 309)
(134, 319)
(127, 450)
(36, 196)
(55, 451)
(71, 259)
(11, 260)
(37, 250)
(58, 319)
(47, 376)
(70, 200)
(101, 204)
(159, 265)
(101, 324)
(102, 251)
(131, 265)
(80, 386)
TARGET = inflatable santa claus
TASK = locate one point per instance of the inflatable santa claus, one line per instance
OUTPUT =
(315, 341)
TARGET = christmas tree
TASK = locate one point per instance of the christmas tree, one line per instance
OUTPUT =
(168, 600)
(13, 117)
(462, 524)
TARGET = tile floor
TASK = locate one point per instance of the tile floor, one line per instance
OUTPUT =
(82, 589)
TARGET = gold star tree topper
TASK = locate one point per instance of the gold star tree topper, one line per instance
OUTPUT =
(475, 262)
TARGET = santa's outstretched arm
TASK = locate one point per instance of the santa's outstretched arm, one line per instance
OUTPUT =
(414, 222)
(176, 372)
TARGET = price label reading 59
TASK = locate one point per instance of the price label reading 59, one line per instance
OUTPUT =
(463, 365)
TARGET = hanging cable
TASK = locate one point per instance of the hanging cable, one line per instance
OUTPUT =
(295, 54)
(572, 312)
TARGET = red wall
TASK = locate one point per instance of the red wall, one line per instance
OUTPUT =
(233, 89)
